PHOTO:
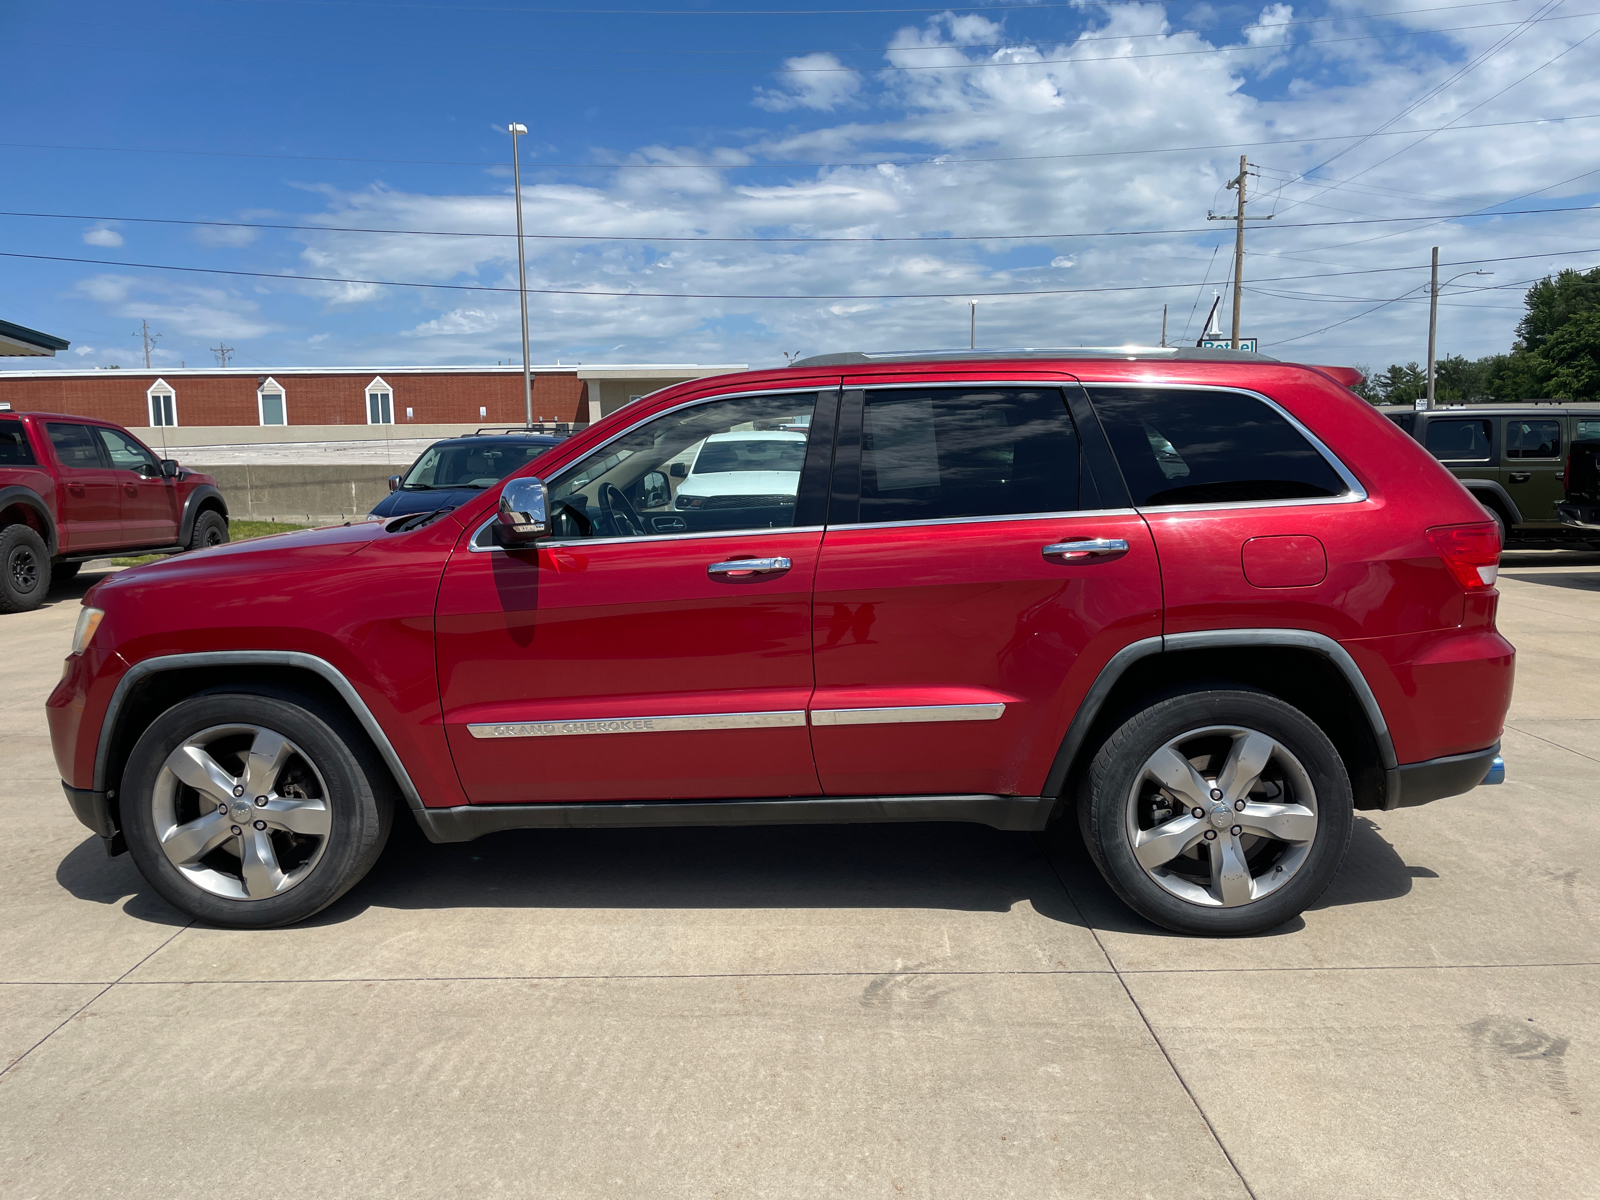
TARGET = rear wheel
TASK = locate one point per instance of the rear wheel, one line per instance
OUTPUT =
(252, 810)
(24, 569)
(1218, 812)
(210, 529)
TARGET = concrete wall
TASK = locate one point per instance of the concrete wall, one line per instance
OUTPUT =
(304, 495)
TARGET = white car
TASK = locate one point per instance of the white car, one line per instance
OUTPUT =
(743, 470)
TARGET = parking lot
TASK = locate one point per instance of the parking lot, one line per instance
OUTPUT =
(846, 1011)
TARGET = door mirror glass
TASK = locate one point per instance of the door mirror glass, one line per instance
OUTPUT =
(170, 468)
(394, 483)
(523, 509)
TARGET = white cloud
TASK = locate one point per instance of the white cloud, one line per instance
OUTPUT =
(181, 309)
(459, 323)
(317, 339)
(99, 235)
(222, 236)
(818, 81)
(84, 351)
(1062, 262)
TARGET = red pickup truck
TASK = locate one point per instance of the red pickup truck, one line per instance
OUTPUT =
(73, 489)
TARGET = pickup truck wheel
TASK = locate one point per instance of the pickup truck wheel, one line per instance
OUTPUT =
(251, 810)
(210, 529)
(1219, 813)
(24, 569)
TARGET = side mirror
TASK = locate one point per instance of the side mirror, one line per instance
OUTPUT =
(523, 509)
(394, 483)
(680, 470)
(170, 468)
(150, 470)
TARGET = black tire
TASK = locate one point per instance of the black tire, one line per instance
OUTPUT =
(61, 572)
(210, 529)
(357, 794)
(24, 569)
(1111, 816)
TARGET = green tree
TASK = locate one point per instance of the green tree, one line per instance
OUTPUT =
(1402, 384)
(1554, 301)
(1573, 353)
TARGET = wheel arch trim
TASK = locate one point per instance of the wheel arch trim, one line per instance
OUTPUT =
(192, 505)
(1479, 489)
(256, 658)
(1211, 639)
(17, 494)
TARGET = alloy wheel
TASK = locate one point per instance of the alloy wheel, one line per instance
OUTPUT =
(1222, 816)
(23, 565)
(241, 811)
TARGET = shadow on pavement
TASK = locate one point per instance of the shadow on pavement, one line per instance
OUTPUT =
(72, 591)
(88, 874)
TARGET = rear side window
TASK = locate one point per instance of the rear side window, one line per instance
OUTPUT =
(1533, 439)
(14, 448)
(1458, 439)
(1201, 447)
(942, 453)
(76, 445)
(1586, 431)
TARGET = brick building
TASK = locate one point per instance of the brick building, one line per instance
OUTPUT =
(234, 397)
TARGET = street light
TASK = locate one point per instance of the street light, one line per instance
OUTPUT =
(1433, 313)
(522, 277)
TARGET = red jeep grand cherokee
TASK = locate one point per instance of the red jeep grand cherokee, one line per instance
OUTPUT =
(1206, 602)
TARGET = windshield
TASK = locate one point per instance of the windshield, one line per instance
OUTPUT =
(469, 465)
(751, 454)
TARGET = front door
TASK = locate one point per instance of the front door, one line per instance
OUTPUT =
(148, 500)
(966, 595)
(91, 504)
(1533, 466)
(658, 645)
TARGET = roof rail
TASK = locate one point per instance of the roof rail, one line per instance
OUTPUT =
(557, 428)
(1130, 352)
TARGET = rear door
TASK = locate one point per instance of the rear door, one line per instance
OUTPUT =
(91, 505)
(148, 501)
(956, 627)
(1534, 459)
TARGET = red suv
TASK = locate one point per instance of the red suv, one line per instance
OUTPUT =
(73, 489)
(1204, 603)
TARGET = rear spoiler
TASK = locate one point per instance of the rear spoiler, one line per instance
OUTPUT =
(1349, 376)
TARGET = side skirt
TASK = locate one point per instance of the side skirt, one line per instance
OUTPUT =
(463, 824)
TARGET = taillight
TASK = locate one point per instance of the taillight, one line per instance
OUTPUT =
(1471, 552)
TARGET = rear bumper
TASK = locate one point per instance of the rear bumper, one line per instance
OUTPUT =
(94, 811)
(1436, 778)
(1579, 516)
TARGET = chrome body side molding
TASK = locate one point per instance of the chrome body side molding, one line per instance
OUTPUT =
(463, 824)
(909, 715)
(750, 720)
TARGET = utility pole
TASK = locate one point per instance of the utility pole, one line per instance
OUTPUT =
(1238, 218)
(149, 340)
(972, 329)
(222, 353)
(522, 277)
(1163, 324)
(1433, 319)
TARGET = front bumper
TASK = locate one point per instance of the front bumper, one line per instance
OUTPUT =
(1579, 516)
(95, 811)
(1436, 778)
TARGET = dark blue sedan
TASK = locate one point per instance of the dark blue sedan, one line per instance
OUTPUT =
(451, 472)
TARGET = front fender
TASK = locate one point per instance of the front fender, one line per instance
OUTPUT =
(191, 509)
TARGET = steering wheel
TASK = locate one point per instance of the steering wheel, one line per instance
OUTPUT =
(620, 515)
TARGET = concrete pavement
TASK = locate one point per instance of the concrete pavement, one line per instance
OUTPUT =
(853, 1011)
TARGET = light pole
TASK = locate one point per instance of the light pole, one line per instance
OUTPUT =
(1433, 313)
(522, 278)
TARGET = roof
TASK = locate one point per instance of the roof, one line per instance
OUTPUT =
(1125, 353)
(600, 371)
(21, 342)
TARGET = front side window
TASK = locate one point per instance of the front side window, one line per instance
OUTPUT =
(76, 446)
(1533, 439)
(473, 465)
(127, 454)
(946, 453)
(1209, 447)
(1458, 439)
(720, 466)
(14, 448)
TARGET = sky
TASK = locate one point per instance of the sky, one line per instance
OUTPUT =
(742, 181)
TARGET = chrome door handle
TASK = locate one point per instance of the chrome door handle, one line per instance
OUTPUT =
(743, 568)
(1087, 548)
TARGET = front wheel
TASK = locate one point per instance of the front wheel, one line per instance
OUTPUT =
(253, 810)
(1218, 812)
(210, 529)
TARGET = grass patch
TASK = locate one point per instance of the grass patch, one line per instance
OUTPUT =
(238, 531)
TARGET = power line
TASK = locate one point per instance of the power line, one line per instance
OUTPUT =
(819, 240)
(479, 287)
(937, 161)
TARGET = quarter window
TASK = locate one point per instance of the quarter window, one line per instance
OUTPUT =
(1533, 439)
(1456, 439)
(720, 466)
(944, 453)
(1586, 431)
(14, 448)
(1203, 447)
(163, 405)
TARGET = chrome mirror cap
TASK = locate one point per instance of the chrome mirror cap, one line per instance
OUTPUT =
(394, 483)
(522, 511)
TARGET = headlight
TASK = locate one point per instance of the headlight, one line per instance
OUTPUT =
(88, 621)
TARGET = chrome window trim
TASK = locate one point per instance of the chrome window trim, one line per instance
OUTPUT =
(661, 724)
(907, 714)
(1090, 513)
(1354, 492)
(576, 543)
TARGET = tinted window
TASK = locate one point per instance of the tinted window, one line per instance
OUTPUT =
(1533, 439)
(469, 465)
(14, 448)
(938, 454)
(1586, 431)
(1182, 447)
(126, 454)
(76, 445)
(732, 452)
(1458, 439)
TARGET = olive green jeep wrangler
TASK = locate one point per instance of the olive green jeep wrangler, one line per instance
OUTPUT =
(1512, 457)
